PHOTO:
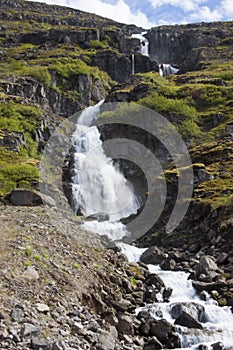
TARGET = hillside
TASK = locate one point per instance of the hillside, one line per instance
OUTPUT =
(54, 62)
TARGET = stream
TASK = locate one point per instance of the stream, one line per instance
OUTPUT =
(99, 187)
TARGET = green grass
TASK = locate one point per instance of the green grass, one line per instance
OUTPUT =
(16, 171)
(97, 44)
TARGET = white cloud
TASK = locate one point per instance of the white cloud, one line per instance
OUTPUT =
(119, 11)
(204, 14)
(226, 8)
(185, 5)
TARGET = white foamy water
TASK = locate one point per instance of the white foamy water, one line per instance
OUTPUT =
(144, 49)
(218, 321)
(167, 69)
(98, 186)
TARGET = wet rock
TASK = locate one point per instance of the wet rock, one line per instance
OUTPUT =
(217, 346)
(168, 264)
(152, 255)
(153, 344)
(213, 286)
(98, 216)
(161, 329)
(195, 310)
(202, 347)
(167, 292)
(154, 280)
(187, 320)
(144, 329)
(25, 197)
(150, 295)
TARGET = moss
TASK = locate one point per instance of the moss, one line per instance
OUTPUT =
(16, 171)
(97, 44)
(72, 95)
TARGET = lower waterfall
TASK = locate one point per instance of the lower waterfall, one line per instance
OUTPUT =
(99, 188)
(217, 321)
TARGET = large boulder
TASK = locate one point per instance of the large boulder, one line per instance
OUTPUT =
(153, 255)
(196, 310)
(187, 320)
(25, 198)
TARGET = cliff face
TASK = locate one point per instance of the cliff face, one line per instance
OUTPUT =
(191, 46)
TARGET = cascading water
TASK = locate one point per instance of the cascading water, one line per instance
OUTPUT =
(217, 321)
(167, 69)
(98, 186)
(133, 64)
(144, 49)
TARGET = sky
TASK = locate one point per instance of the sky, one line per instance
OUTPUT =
(151, 13)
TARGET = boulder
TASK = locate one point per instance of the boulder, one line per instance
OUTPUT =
(217, 346)
(25, 198)
(222, 258)
(153, 344)
(206, 264)
(40, 344)
(29, 329)
(31, 274)
(187, 320)
(167, 292)
(105, 341)
(98, 216)
(153, 255)
(43, 308)
(125, 325)
(195, 310)
(154, 280)
(168, 264)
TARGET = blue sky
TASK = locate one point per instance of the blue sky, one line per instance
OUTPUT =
(149, 13)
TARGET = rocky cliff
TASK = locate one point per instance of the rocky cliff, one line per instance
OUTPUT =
(191, 46)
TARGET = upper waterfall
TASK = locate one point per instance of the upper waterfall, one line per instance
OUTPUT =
(144, 49)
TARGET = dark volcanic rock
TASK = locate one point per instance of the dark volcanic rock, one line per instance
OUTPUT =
(152, 255)
(187, 320)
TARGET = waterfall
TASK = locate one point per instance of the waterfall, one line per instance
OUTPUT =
(217, 322)
(144, 47)
(133, 64)
(167, 69)
(98, 187)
